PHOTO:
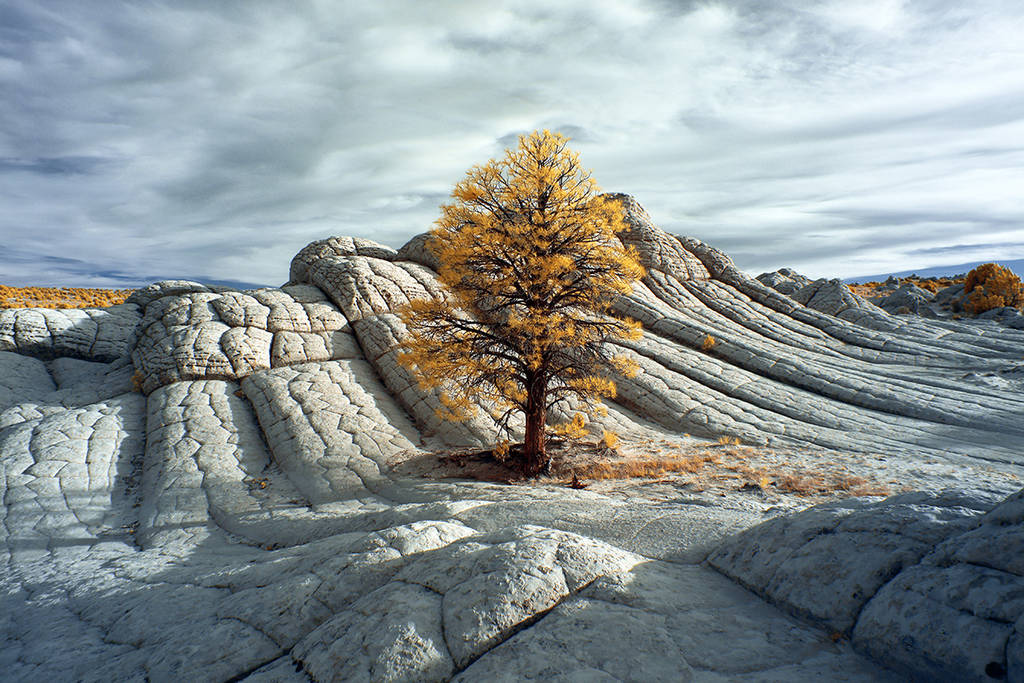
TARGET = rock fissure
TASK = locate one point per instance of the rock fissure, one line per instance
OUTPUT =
(372, 569)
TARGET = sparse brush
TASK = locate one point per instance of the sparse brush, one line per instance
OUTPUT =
(932, 284)
(644, 467)
(61, 297)
(708, 343)
(808, 484)
(866, 289)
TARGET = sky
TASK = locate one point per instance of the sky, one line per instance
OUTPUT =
(211, 140)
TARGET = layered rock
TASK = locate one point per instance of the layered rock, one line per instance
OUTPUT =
(909, 298)
(204, 483)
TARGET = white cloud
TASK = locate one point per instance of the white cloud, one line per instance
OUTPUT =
(883, 16)
(207, 140)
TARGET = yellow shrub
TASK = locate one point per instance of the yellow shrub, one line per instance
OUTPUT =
(610, 440)
(708, 343)
(992, 286)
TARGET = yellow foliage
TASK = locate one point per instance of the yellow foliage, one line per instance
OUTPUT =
(708, 343)
(992, 286)
(573, 429)
(61, 297)
(501, 449)
(610, 440)
(531, 264)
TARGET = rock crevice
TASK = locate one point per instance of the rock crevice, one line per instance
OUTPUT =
(203, 484)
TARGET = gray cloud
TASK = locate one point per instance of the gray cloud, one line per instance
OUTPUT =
(51, 165)
(993, 247)
(195, 138)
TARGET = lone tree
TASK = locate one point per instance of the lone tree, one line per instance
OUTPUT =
(530, 260)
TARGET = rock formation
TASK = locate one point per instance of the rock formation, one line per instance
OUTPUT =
(201, 484)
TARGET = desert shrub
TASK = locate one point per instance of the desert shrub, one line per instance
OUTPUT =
(708, 343)
(992, 286)
(610, 440)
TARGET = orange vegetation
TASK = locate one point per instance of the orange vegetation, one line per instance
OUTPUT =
(644, 467)
(61, 297)
(715, 467)
(992, 286)
(549, 274)
(724, 467)
(932, 284)
(808, 483)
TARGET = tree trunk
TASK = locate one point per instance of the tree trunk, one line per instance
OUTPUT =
(535, 459)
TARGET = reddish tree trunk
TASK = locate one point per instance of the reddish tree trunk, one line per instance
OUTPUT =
(535, 458)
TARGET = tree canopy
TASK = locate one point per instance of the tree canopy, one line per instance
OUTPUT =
(529, 257)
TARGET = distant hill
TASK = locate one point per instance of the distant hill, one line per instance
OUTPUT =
(1016, 266)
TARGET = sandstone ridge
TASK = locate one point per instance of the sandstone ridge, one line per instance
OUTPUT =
(202, 484)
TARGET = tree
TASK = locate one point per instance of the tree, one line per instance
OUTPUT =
(530, 260)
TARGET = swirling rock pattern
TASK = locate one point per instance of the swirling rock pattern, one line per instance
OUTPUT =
(204, 484)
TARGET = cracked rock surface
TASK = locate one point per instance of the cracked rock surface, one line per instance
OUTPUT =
(206, 484)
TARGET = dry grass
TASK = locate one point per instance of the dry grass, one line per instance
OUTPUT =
(722, 467)
(804, 483)
(643, 467)
(61, 297)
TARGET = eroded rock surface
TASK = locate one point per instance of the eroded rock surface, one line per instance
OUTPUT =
(98, 334)
(933, 584)
(201, 484)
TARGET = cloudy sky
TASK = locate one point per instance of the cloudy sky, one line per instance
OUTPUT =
(212, 140)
